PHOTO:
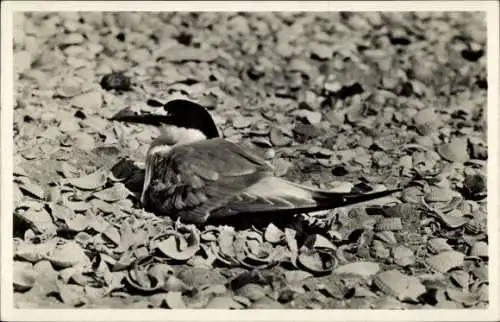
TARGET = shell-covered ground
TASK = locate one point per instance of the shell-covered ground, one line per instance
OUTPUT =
(344, 101)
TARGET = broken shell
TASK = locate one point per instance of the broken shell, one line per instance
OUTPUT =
(209, 235)
(426, 121)
(252, 291)
(174, 284)
(178, 246)
(483, 292)
(403, 210)
(438, 245)
(387, 237)
(273, 234)
(453, 219)
(481, 272)
(359, 268)
(223, 302)
(290, 237)
(88, 182)
(322, 242)
(401, 286)
(445, 261)
(24, 276)
(466, 298)
(33, 189)
(161, 272)
(378, 250)
(316, 261)
(414, 238)
(242, 300)
(258, 261)
(461, 278)
(455, 151)
(412, 195)
(479, 249)
(475, 227)
(403, 256)
(68, 254)
(174, 300)
(439, 194)
(392, 223)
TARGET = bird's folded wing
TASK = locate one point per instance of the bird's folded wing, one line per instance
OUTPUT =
(268, 195)
(192, 180)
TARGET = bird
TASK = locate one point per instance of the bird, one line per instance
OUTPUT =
(193, 174)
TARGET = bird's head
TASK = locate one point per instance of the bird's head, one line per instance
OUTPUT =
(180, 121)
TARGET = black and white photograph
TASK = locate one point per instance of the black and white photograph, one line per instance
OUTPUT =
(268, 160)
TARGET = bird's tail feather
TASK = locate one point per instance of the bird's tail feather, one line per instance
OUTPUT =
(275, 195)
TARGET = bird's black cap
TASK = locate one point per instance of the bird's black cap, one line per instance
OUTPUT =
(178, 112)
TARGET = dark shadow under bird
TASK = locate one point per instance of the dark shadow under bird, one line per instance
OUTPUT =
(193, 173)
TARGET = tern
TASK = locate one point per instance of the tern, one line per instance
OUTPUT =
(194, 174)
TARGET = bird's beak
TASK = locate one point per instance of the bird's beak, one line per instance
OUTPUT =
(132, 116)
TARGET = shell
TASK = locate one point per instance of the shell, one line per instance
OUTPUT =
(174, 300)
(24, 276)
(426, 121)
(412, 194)
(317, 262)
(273, 234)
(401, 286)
(174, 284)
(68, 254)
(455, 151)
(453, 219)
(161, 272)
(439, 194)
(223, 302)
(251, 291)
(392, 224)
(358, 268)
(414, 238)
(460, 278)
(438, 245)
(179, 247)
(378, 250)
(475, 227)
(242, 300)
(323, 243)
(445, 261)
(479, 249)
(481, 273)
(403, 256)
(387, 237)
(483, 292)
(402, 210)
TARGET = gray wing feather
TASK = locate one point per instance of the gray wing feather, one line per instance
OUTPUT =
(192, 180)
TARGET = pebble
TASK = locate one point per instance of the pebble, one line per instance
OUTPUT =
(116, 81)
